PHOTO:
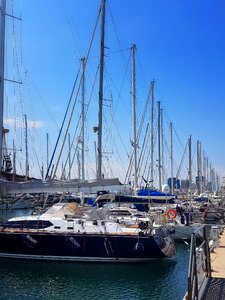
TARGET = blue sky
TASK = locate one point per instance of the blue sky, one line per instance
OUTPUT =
(180, 44)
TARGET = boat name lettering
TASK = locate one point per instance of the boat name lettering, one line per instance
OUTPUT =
(31, 239)
(74, 242)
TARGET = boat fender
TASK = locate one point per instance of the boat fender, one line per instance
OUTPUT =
(171, 214)
(108, 247)
(139, 247)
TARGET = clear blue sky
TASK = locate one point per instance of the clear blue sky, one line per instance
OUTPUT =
(181, 44)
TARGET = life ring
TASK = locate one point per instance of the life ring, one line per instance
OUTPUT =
(171, 214)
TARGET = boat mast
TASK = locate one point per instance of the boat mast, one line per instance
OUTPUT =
(133, 49)
(162, 146)
(207, 173)
(199, 167)
(26, 149)
(47, 150)
(14, 160)
(190, 165)
(69, 145)
(204, 172)
(83, 119)
(78, 164)
(152, 134)
(159, 148)
(102, 53)
(171, 155)
(210, 177)
(2, 54)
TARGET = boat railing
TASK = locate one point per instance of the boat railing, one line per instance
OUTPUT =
(199, 264)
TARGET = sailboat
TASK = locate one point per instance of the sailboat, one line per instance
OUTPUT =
(71, 233)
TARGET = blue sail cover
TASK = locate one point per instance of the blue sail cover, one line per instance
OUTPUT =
(147, 192)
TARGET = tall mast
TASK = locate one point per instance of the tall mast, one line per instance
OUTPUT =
(133, 49)
(204, 172)
(210, 177)
(83, 119)
(102, 53)
(2, 55)
(69, 145)
(162, 146)
(26, 146)
(171, 155)
(199, 175)
(47, 136)
(78, 163)
(152, 134)
(190, 164)
(14, 160)
(200, 161)
(159, 147)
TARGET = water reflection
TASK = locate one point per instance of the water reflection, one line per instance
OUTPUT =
(50, 280)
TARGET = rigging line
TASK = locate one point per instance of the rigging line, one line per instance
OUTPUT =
(17, 60)
(142, 152)
(90, 168)
(130, 166)
(178, 137)
(118, 153)
(34, 150)
(179, 168)
(144, 77)
(67, 128)
(42, 99)
(110, 169)
(145, 167)
(86, 111)
(116, 31)
(145, 160)
(144, 112)
(27, 85)
(118, 51)
(67, 13)
(64, 119)
(74, 136)
(93, 34)
(122, 141)
(139, 134)
(113, 114)
(193, 156)
(85, 63)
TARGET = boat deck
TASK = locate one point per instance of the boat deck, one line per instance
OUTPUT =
(215, 287)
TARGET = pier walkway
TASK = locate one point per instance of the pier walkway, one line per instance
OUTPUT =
(215, 285)
(206, 273)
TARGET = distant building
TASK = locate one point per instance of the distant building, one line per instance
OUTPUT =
(184, 184)
(176, 183)
(223, 182)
